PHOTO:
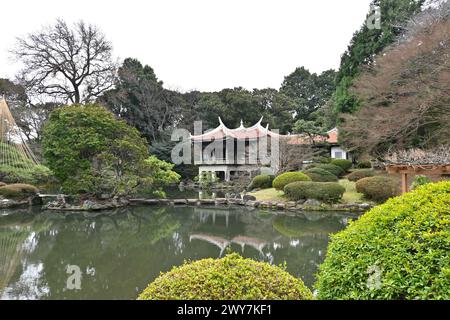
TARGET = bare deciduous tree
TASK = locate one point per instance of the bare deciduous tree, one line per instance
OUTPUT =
(66, 64)
(405, 92)
(293, 156)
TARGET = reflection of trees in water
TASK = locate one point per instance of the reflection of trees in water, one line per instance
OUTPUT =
(101, 243)
(319, 225)
(305, 240)
(126, 249)
(15, 229)
(11, 241)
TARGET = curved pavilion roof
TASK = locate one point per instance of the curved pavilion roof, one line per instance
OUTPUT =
(222, 131)
(258, 131)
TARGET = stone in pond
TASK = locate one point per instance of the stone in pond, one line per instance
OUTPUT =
(248, 197)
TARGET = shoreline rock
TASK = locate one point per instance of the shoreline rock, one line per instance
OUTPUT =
(6, 203)
(275, 205)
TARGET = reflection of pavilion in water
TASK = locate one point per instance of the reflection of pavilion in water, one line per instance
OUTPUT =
(223, 243)
(205, 213)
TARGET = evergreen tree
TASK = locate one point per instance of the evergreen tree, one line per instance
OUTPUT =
(366, 43)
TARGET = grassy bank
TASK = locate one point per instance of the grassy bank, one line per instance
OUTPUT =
(350, 195)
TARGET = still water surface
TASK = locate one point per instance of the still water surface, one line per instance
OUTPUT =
(119, 252)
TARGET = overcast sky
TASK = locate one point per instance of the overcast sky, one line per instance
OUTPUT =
(203, 44)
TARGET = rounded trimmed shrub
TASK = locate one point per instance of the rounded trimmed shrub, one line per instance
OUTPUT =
(364, 164)
(324, 191)
(378, 188)
(18, 190)
(310, 166)
(359, 174)
(334, 169)
(229, 278)
(261, 182)
(397, 250)
(288, 177)
(2, 184)
(343, 163)
(321, 175)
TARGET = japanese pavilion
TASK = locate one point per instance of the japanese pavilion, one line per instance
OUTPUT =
(233, 148)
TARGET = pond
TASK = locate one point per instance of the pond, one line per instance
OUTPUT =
(119, 252)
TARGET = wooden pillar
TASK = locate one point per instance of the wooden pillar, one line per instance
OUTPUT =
(404, 182)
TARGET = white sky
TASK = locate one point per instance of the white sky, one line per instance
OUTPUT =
(203, 44)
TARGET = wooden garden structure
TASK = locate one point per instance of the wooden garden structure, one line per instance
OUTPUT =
(427, 170)
(434, 162)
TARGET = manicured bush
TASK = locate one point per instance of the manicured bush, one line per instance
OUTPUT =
(261, 182)
(378, 188)
(310, 166)
(324, 159)
(397, 250)
(364, 164)
(334, 169)
(288, 177)
(36, 174)
(18, 190)
(2, 184)
(321, 175)
(229, 278)
(324, 191)
(359, 174)
(343, 163)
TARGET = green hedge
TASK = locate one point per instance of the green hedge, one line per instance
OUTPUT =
(397, 250)
(321, 175)
(285, 178)
(261, 182)
(343, 163)
(34, 175)
(229, 278)
(378, 188)
(359, 174)
(332, 168)
(324, 191)
(18, 190)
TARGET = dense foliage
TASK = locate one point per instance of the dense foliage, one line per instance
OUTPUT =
(332, 168)
(320, 175)
(420, 180)
(309, 91)
(91, 151)
(140, 99)
(15, 167)
(378, 188)
(397, 250)
(285, 178)
(343, 163)
(366, 43)
(229, 278)
(359, 174)
(261, 182)
(364, 164)
(324, 191)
